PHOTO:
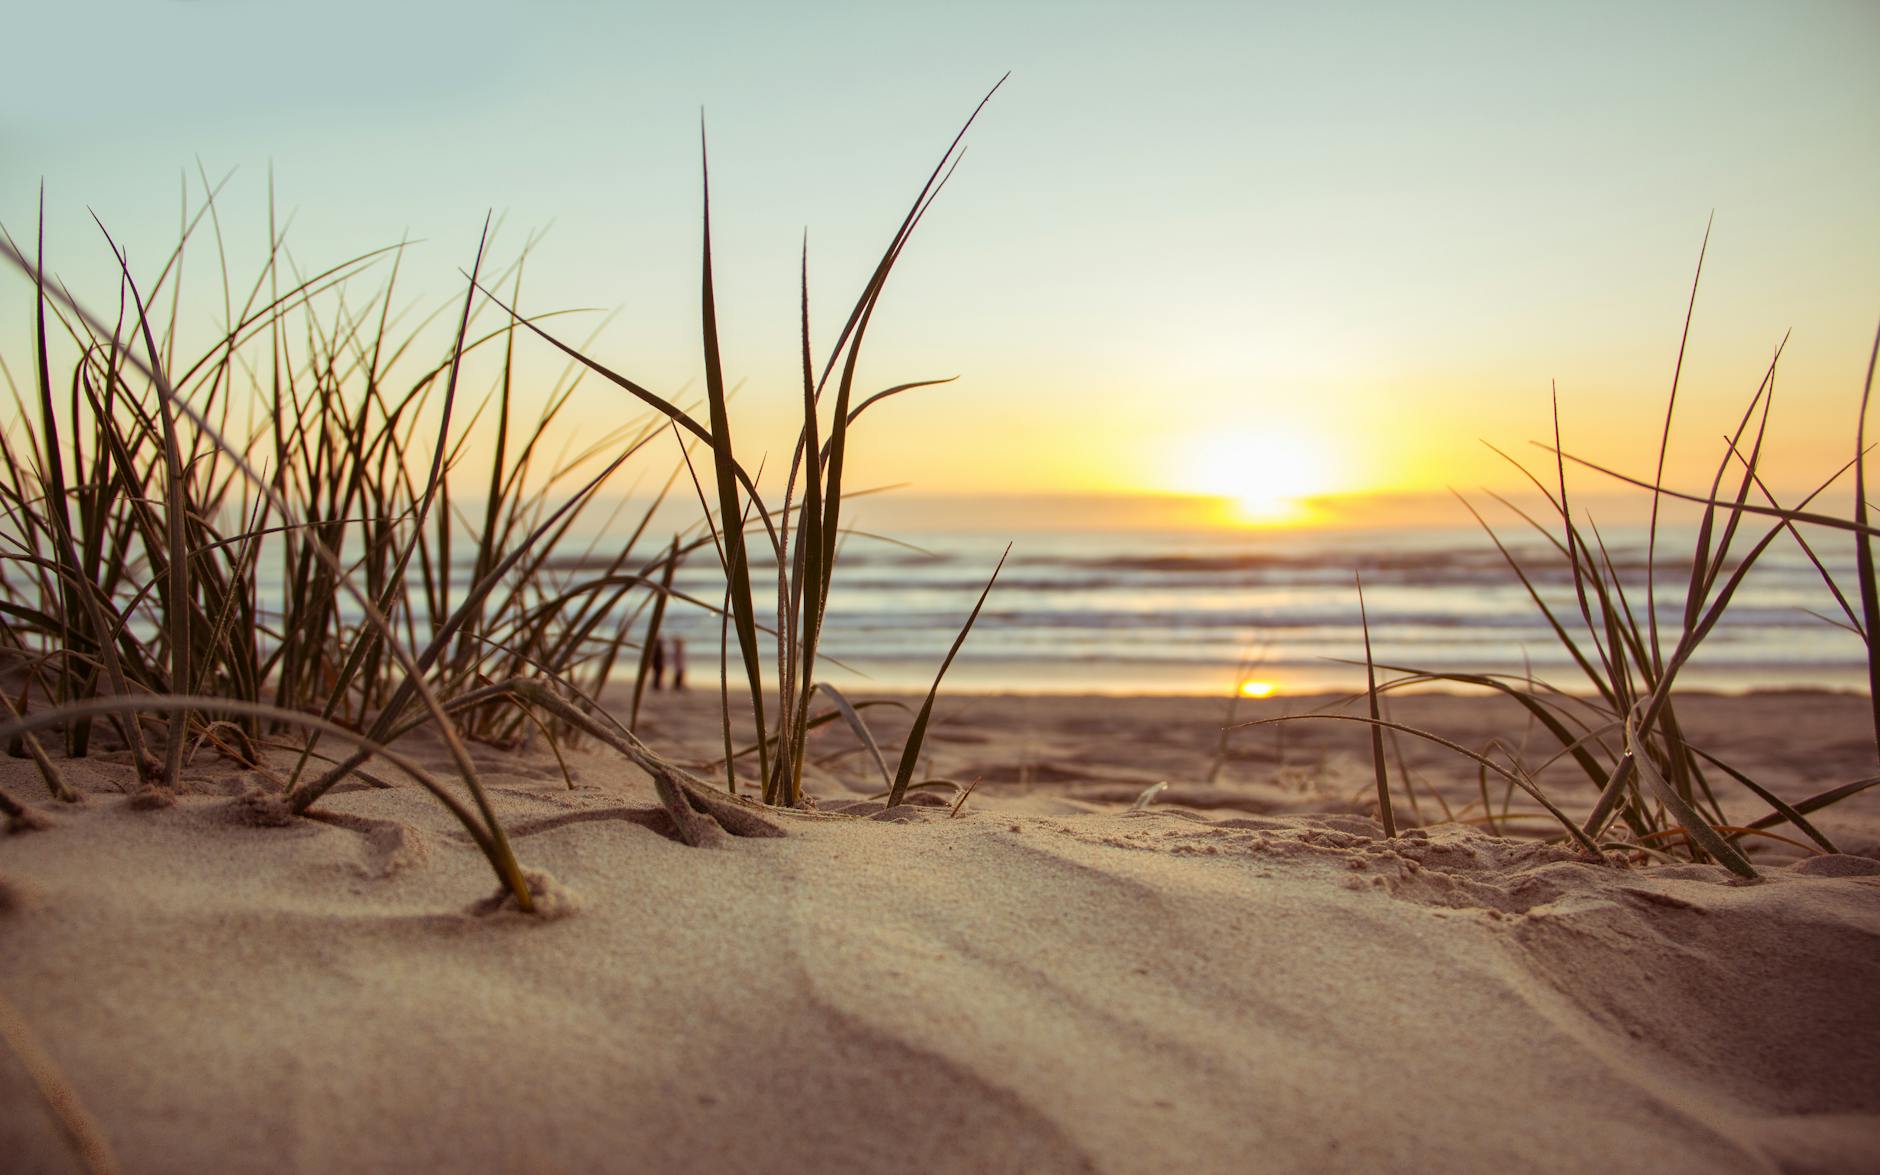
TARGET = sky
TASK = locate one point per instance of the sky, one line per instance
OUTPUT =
(1270, 251)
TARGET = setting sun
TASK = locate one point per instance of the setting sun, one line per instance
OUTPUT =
(1257, 689)
(1267, 476)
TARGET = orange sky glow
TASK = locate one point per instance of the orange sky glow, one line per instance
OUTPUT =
(1244, 265)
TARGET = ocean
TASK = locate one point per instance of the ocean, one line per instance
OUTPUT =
(1195, 612)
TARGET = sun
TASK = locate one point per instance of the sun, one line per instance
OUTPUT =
(1266, 476)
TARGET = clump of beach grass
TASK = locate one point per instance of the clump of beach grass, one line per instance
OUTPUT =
(143, 489)
(135, 535)
(1657, 790)
(802, 532)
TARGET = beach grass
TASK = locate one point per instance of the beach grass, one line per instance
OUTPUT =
(1656, 788)
(143, 490)
(804, 529)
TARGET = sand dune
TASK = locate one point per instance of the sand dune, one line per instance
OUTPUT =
(1048, 981)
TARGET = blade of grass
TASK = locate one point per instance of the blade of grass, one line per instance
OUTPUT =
(1377, 726)
(730, 513)
(1566, 822)
(175, 503)
(854, 719)
(1820, 800)
(650, 645)
(1695, 827)
(1664, 443)
(910, 752)
(75, 1121)
(1863, 545)
(1783, 809)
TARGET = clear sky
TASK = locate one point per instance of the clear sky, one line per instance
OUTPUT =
(1264, 249)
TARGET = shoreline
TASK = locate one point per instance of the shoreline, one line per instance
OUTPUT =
(1327, 695)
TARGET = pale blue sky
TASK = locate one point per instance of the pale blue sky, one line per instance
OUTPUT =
(1386, 224)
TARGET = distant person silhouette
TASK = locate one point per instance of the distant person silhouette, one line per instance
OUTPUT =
(678, 662)
(659, 664)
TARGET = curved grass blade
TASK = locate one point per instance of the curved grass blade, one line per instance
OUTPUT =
(1574, 745)
(1696, 828)
(1782, 808)
(1806, 517)
(81, 1129)
(1820, 800)
(860, 728)
(161, 703)
(1573, 830)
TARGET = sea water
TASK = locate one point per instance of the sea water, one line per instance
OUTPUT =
(1199, 612)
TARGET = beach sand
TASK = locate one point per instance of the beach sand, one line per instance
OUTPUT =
(1243, 975)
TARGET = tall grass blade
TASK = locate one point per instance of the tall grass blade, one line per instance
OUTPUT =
(176, 503)
(1664, 443)
(1863, 545)
(802, 609)
(649, 649)
(917, 734)
(730, 514)
(54, 465)
(1377, 725)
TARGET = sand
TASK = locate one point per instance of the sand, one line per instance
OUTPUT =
(1241, 976)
